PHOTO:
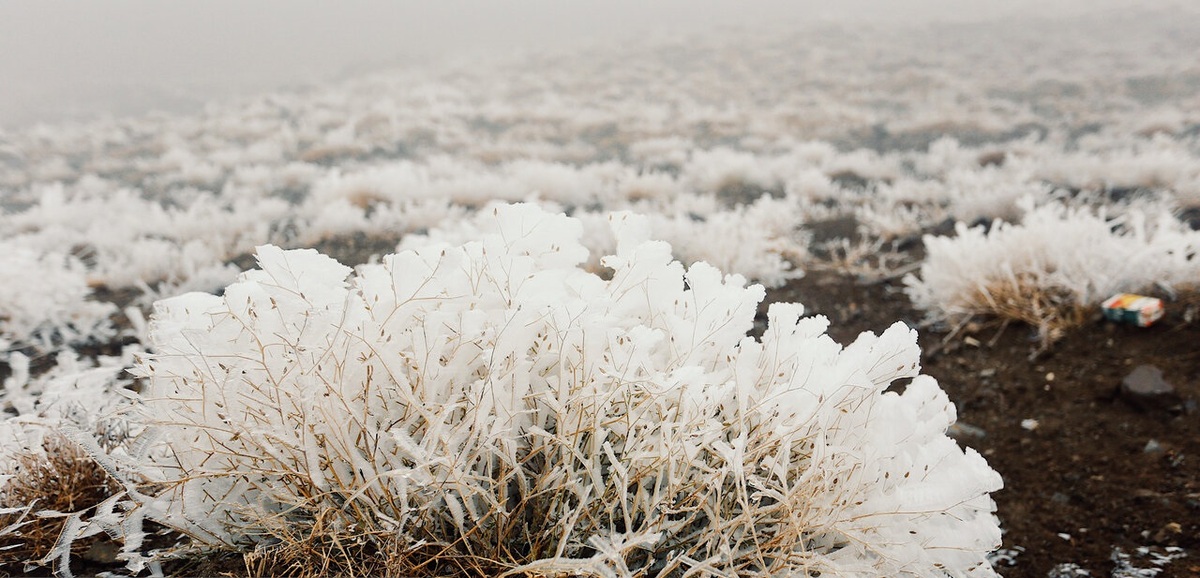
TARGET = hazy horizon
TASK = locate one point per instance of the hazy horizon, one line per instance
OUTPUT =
(64, 61)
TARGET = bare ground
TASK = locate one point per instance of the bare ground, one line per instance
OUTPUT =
(1101, 470)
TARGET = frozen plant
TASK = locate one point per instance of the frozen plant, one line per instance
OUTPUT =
(866, 259)
(1067, 570)
(50, 305)
(1055, 265)
(120, 239)
(49, 485)
(491, 408)
(761, 240)
(1123, 567)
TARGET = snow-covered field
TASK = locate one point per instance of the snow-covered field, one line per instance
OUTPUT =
(1060, 160)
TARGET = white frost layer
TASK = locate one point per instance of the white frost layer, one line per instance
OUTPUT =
(404, 386)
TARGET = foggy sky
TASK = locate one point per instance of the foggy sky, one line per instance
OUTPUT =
(62, 60)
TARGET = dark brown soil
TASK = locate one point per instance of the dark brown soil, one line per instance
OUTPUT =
(1099, 471)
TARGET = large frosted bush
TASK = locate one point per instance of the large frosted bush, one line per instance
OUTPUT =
(492, 406)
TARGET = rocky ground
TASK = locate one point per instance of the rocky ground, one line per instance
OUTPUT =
(1100, 459)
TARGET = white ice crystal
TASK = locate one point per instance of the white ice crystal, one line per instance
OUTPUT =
(459, 393)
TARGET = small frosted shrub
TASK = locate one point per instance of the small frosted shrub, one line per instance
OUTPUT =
(44, 487)
(761, 240)
(45, 303)
(51, 486)
(491, 407)
(114, 238)
(735, 175)
(1054, 267)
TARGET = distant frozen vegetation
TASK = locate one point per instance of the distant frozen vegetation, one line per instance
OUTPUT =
(1058, 161)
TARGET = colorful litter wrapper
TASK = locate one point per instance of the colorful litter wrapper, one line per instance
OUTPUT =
(1134, 309)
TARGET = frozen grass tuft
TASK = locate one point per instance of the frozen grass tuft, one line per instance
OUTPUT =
(1054, 268)
(59, 429)
(491, 408)
(52, 307)
(43, 487)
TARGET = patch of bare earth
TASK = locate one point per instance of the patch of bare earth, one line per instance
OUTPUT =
(1096, 468)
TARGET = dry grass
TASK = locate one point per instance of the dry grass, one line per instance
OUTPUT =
(1052, 311)
(63, 480)
(328, 154)
(870, 261)
(364, 198)
(309, 551)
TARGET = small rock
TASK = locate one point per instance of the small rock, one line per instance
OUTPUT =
(1168, 533)
(1148, 495)
(1152, 447)
(1193, 503)
(988, 372)
(1146, 380)
(1145, 388)
(1029, 424)
(102, 552)
(959, 430)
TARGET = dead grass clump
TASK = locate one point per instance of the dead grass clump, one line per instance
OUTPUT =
(62, 480)
(316, 549)
(364, 198)
(324, 155)
(869, 260)
(324, 547)
(1051, 310)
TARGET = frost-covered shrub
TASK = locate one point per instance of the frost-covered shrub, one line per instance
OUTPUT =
(44, 300)
(761, 241)
(44, 489)
(732, 174)
(490, 406)
(991, 194)
(125, 240)
(80, 392)
(891, 222)
(49, 484)
(1049, 269)
(1154, 163)
(907, 206)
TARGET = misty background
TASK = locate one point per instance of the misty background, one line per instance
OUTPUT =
(63, 61)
